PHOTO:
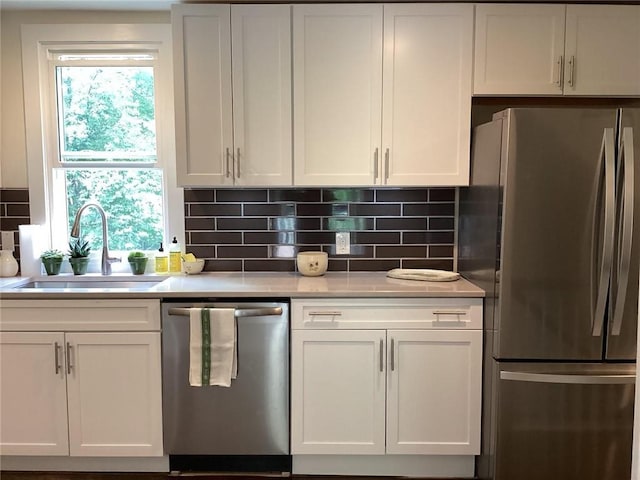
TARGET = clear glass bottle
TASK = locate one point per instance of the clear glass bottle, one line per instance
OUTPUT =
(162, 261)
(175, 257)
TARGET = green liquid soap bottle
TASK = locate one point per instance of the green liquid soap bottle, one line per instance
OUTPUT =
(162, 261)
(175, 257)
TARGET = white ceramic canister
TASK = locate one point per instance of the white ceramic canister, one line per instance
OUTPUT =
(8, 264)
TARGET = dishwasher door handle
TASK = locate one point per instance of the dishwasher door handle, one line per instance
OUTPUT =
(240, 312)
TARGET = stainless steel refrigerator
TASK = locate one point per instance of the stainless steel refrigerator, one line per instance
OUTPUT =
(550, 228)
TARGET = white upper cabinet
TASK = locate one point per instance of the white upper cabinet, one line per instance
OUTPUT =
(233, 123)
(533, 49)
(602, 52)
(427, 94)
(382, 94)
(202, 90)
(261, 53)
(337, 85)
(519, 49)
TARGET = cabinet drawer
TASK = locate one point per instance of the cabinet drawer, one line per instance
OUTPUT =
(415, 313)
(80, 315)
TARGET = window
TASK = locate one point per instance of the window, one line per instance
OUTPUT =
(103, 117)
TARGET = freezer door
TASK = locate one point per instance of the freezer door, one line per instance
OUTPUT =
(562, 421)
(623, 312)
(553, 233)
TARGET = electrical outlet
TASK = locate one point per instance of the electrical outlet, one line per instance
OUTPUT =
(7, 241)
(343, 243)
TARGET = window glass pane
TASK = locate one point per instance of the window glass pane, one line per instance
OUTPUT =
(106, 113)
(131, 198)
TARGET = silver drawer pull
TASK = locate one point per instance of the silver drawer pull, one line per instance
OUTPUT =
(325, 313)
(449, 312)
(56, 349)
(568, 378)
(240, 312)
(69, 366)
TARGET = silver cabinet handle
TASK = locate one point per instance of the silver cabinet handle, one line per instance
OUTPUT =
(386, 165)
(56, 349)
(375, 165)
(393, 355)
(606, 254)
(326, 313)
(239, 313)
(625, 163)
(449, 312)
(570, 379)
(572, 66)
(237, 161)
(228, 174)
(69, 366)
(560, 71)
(381, 355)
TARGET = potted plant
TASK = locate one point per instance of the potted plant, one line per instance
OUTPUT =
(79, 255)
(137, 262)
(52, 261)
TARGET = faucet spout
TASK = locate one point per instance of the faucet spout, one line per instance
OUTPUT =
(75, 232)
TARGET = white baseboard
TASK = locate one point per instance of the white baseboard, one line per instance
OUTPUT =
(85, 464)
(441, 466)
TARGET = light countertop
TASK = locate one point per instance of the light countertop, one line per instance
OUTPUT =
(262, 284)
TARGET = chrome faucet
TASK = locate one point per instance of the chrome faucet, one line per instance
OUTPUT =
(75, 232)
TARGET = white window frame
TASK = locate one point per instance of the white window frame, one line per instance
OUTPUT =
(41, 121)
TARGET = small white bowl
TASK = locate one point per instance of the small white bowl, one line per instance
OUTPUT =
(312, 264)
(193, 268)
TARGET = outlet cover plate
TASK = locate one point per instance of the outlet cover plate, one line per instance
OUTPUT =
(343, 243)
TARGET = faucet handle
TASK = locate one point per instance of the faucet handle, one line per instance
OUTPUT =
(114, 259)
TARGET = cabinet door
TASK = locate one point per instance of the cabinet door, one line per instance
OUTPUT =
(337, 392)
(434, 392)
(114, 394)
(519, 49)
(33, 398)
(427, 94)
(337, 80)
(202, 90)
(261, 52)
(602, 50)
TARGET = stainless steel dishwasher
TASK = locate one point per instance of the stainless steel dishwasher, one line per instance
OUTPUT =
(241, 428)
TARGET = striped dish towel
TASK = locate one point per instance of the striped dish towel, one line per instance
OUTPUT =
(213, 358)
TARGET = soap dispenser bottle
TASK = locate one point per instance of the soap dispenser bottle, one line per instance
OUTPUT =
(175, 257)
(162, 261)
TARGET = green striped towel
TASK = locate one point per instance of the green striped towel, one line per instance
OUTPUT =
(212, 347)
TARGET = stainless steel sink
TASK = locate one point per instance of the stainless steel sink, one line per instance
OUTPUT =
(84, 284)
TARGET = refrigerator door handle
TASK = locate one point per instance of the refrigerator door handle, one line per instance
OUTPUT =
(568, 379)
(607, 152)
(626, 240)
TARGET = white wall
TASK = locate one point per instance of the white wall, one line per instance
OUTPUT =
(13, 156)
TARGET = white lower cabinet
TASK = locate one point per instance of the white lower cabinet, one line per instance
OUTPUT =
(33, 395)
(401, 378)
(83, 394)
(433, 392)
(338, 393)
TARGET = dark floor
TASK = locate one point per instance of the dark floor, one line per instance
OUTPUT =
(157, 476)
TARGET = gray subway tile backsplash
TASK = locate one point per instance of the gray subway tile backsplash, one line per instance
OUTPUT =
(263, 229)
(390, 228)
(14, 211)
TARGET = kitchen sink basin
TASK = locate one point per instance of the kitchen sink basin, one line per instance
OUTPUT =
(84, 284)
